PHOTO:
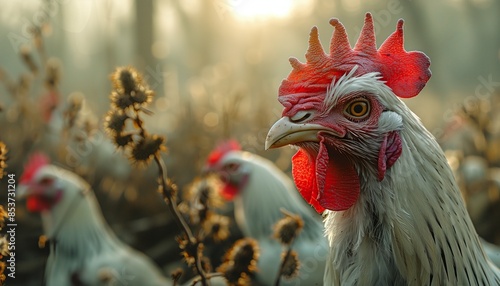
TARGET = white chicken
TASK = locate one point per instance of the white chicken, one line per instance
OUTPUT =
(83, 249)
(394, 213)
(259, 190)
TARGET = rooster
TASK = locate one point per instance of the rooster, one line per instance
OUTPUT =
(393, 211)
(259, 190)
(83, 250)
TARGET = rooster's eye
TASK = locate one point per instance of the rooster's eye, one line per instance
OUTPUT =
(232, 167)
(46, 181)
(301, 116)
(358, 108)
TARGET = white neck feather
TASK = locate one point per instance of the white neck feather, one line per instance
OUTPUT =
(411, 228)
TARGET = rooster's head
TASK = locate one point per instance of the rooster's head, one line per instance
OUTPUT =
(46, 186)
(342, 110)
(229, 163)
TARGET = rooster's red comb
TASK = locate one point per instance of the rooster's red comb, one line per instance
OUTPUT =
(35, 162)
(222, 149)
(406, 73)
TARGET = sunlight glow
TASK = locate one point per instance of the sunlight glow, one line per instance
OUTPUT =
(262, 8)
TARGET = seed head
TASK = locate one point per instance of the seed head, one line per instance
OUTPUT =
(28, 59)
(75, 104)
(176, 274)
(129, 89)
(245, 252)
(287, 228)
(4, 246)
(53, 73)
(3, 216)
(240, 262)
(126, 79)
(114, 121)
(121, 100)
(200, 197)
(204, 191)
(170, 192)
(291, 265)
(148, 147)
(123, 140)
(217, 226)
(2, 275)
(142, 96)
(3, 159)
(189, 250)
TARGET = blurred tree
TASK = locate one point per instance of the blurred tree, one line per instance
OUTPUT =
(144, 31)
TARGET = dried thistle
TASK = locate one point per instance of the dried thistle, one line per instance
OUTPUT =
(2, 275)
(3, 216)
(142, 96)
(75, 104)
(126, 79)
(4, 246)
(189, 250)
(121, 100)
(3, 160)
(147, 148)
(217, 226)
(201, 195)
(28, 59)
(287, 228)
(123, 140)
(53, 73)
(89, 125)
(170, 190)
(129, 89)
(114, 122)
(285, 231)
(205, 191)
(240, 262)
(291, 264)
(176, 274)
(206, 264)
(129, 95)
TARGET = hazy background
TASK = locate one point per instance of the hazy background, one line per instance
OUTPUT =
(215, 66)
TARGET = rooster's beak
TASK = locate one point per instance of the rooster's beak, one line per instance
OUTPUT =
(23, 190)
(285, 132)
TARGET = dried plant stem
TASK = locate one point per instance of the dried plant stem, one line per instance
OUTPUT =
(138, 122)
(172, 205)
(282, 265)
(170, 200)
(167, 190)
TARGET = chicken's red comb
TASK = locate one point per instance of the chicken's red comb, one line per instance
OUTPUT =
(406, 73)
(36, 161)
(222, 149)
